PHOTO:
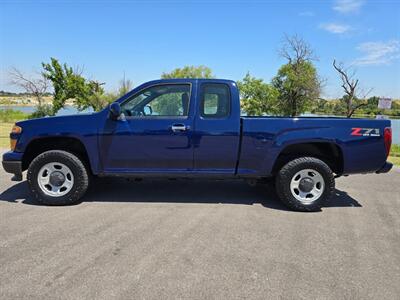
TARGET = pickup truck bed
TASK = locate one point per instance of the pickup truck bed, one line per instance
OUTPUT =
(265, 137)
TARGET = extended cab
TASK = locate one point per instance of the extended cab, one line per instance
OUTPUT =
(193, 128)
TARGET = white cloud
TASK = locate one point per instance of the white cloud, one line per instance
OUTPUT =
(348, 6)
(307, 14)
(335, 28)
(378, 53)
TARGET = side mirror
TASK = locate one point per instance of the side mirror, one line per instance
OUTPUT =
(115, 110)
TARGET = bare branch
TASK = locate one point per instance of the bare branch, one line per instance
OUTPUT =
(364, 94)
(350, 86)
(295, 49)
(37, 87)
(78, 70)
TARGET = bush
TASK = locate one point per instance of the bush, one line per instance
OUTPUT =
(11, 115)
(42, 111)
(395, 150)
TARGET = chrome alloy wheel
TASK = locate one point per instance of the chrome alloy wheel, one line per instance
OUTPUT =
(307, 185)
(55, 179)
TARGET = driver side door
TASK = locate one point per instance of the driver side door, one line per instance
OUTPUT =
(155, 134)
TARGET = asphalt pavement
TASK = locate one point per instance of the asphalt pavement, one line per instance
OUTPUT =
(184, 239)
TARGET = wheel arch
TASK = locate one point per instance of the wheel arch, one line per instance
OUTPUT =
(70, 144)
(328, 152)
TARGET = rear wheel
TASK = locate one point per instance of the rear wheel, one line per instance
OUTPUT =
(57, 178)
(305, 184)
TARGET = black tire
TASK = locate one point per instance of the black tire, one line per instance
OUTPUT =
(80, 175)
(288, 171)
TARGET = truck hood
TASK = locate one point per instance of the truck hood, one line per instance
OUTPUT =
(82, 127)
(57, 120)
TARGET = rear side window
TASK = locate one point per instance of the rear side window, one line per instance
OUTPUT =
(215, 100)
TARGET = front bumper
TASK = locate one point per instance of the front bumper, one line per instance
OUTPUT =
(12, 163)
(14, 167)
(385, 168)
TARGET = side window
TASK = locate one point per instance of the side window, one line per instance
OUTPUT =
(215, 100)
(167, 100)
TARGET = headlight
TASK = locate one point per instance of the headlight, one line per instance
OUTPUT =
(16, 129)
(13, 139)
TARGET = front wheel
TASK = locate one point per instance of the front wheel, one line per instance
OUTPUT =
(305, 184)
(57, 178)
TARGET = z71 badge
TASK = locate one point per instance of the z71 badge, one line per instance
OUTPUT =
(365, 131)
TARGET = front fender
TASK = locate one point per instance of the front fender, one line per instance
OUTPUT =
(80, 127)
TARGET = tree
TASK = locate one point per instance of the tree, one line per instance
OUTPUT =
(67, 84)
(295, 49)
(37, 87)
(70, 84)
(96, 98)
(125, 85)
(189, 72)
(350, 86)
(319, 106)
(168, 104)
(297, 81)
(257, 97)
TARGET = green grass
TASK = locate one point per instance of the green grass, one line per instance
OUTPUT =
(395, 150)
(394, 156)
(12, 116)
(5, 129)
(7, 119)
(394, 160)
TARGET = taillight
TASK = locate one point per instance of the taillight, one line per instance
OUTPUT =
(387, 136)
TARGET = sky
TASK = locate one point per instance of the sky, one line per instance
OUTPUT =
(145, 38)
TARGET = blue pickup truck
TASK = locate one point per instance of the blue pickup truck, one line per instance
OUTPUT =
(193, 128)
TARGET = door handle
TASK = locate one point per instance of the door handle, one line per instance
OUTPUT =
(179, 127)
